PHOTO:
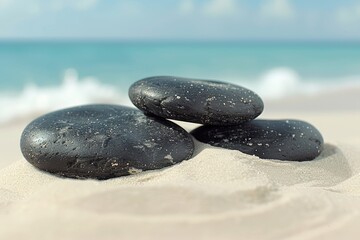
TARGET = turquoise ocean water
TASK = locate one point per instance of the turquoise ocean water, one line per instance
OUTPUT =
(65, 71)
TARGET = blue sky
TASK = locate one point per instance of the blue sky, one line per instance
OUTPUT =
(181, 19)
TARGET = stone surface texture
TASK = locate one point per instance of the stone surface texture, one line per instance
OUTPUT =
(291, 140)
(103, 141)
(193, 100)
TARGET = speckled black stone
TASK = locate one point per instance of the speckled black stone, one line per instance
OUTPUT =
(269, 139)
(103, 141)
(193, 100)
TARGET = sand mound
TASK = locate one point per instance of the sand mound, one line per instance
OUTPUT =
(217, 194)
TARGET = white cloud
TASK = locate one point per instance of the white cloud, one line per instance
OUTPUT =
(19, 8)
(348, 15)
(130, 8)
(37, 6)
(34, 9)
(85, 4)
(277, 9)
(81, 5)
(4, 3)
(221, 7)
(187, 6)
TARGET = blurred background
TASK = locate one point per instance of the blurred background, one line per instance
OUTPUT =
(59, 53)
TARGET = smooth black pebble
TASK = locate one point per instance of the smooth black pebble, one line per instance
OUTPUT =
(269, 139)
(193, 100)
(103, 141)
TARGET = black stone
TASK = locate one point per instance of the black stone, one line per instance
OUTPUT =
(103, 141)
(269, 139)
(198, 101)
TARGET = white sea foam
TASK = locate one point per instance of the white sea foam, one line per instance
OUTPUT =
(284, 82)
(280, 82)
(274, 84)
(72, 91)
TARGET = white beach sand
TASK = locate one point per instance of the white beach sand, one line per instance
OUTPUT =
(218, 194)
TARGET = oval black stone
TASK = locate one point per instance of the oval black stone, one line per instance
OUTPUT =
(291, 140)
(103, 141)
(198, 101)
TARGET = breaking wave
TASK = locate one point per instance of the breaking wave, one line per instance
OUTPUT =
(71, 92)
(275, 84)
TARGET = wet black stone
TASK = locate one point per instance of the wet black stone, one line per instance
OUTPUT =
(193, 100)
(269, 139)
(103, 141)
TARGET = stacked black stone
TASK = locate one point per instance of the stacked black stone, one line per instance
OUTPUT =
(105, 141)
(290, 140)
(198, 101)
(227, 111)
